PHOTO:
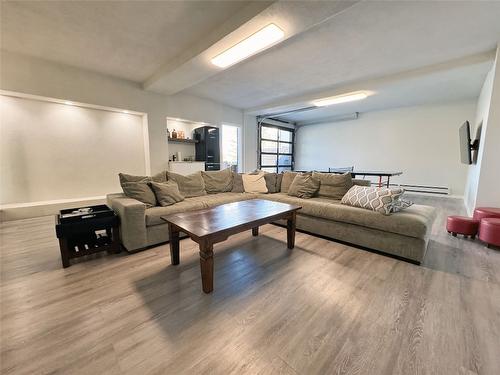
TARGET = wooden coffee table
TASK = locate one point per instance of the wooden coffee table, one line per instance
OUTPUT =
(209, 226)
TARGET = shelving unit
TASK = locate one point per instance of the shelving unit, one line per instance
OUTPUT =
(181, 140)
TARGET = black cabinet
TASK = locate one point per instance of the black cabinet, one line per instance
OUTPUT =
(208, 147)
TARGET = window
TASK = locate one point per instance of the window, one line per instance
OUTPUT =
(276, 148)
(230, 147)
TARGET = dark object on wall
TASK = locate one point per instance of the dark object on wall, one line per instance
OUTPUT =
(85, 231)
(208, 147)
(466, 145)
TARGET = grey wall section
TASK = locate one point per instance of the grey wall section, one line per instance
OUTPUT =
(420, 141)
(51, 151)
(38, 77)
(484, 177)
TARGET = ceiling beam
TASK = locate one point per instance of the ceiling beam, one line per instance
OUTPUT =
(194, 66)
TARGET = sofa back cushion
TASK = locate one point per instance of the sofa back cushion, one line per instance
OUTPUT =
(254, 183)
(140, 191)
(159, 177)
(272, 182)
(332, 185)
(218, 181)
(189, 186)
(381, 200)
(237, 183)
(287, 180)
(360, 182)
(303, 186)
(167, 193)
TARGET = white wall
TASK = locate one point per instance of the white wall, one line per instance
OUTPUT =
(420, 141)
(51, 151)
(38, 77)
(483, 180)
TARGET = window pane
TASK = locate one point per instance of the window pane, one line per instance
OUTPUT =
(269, 133)
(270, 170)
(285, 148)
(268, 159)
(285, 135)
(281, 169)
(268, 146)
(285, 160)
(229, 145)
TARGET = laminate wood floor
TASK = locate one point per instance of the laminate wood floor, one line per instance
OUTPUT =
(322, 308)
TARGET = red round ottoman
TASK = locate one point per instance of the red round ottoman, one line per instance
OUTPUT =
(462, 225)
(490, 231)
(484, 212)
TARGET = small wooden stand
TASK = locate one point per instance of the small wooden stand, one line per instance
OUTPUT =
(78, 237)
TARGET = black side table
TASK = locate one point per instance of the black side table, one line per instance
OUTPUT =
(85, 231)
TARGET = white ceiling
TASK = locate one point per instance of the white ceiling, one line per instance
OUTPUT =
(369, 39)
(415, 88)
(128, 39)
(330, 45)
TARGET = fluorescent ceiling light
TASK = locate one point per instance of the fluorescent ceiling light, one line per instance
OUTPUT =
(249, 46)
(340, 99)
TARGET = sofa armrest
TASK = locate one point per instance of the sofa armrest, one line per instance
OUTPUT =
(132, 214)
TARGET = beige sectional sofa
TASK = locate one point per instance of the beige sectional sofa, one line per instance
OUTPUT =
(403, 234)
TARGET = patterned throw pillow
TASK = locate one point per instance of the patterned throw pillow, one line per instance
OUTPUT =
(380, 200)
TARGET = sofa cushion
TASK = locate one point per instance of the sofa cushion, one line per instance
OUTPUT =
(159, 177)
(381, 200)
(191, 185)
(153, 214)
(140, 191)
(237, 183)
(360, 182)
(272, 182)
(255, 183)
(287, 180)
(218, 181)
(167, 193)
(333, 185)
(303, 186)
(195, 203)
(414, 221)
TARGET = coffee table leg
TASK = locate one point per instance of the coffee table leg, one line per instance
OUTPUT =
(207, 266)
(255, 231)
(173, 233)
(290, 230)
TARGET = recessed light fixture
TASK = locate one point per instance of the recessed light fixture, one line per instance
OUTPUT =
(67, 102)
(249, 46)
(340, 99)
(124, 111)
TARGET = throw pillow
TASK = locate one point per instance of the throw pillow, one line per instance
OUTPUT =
(254, 183)
(167, 193)
(218, 181)
(159, 177)
(237, 183)
(271, 181)
(376, 199)
(360, 182)
(189, 186)
(140, 191)
(303, 186)
(279, 178)
(333, 186)
(400, 204)
(287, 180)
